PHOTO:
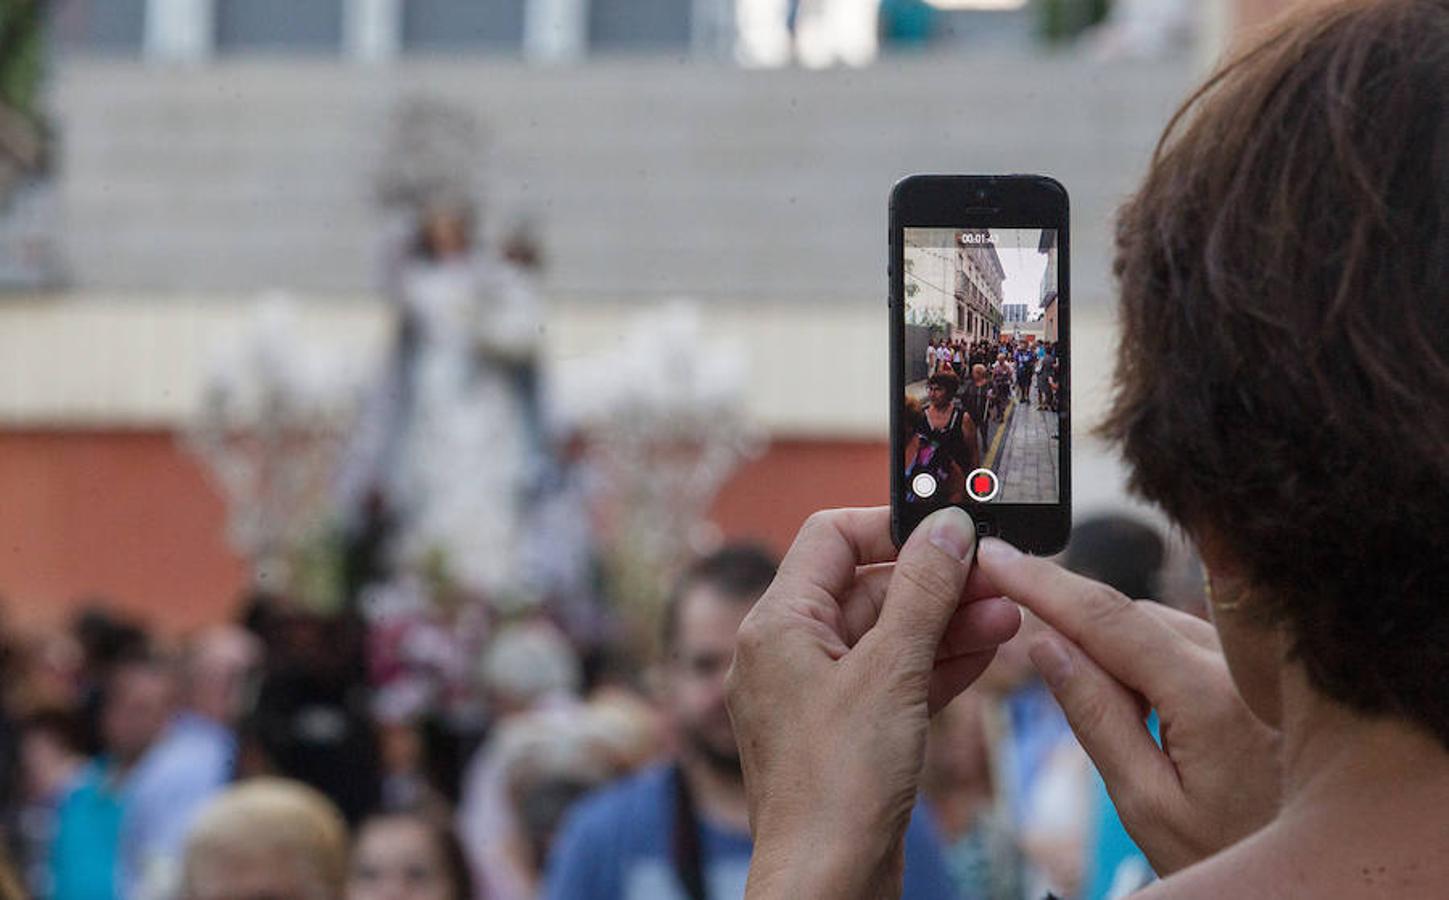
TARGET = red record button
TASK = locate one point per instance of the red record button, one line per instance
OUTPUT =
(982, 485)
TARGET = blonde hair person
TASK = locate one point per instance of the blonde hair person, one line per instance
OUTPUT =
(268, 837)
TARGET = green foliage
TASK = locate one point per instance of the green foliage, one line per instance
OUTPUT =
(22, 57)
(1062, 20)
(316, 569)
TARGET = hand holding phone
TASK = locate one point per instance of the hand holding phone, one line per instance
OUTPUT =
(836, 672)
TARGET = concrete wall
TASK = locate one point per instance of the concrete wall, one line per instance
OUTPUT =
(647, 178)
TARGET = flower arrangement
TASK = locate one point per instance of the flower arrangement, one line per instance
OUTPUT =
(273, 413)
(666, 424)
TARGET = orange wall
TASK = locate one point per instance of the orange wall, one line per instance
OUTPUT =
(126, 515)
(130, 516)
(769, 498)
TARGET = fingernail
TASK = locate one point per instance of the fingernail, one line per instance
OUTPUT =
(1052, 661)
(953, 532)
(997, 550)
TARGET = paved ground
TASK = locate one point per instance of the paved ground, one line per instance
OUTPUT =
(1025, 457)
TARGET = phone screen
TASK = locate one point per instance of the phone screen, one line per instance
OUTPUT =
(983, 376)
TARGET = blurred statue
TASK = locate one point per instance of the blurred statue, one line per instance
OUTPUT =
(431, 156)
(448, 445)
(445, 445)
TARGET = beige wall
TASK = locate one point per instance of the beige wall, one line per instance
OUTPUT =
(133, 362)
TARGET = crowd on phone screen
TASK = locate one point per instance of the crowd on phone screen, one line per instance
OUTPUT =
(1021, 369)
(257, 757)
(970, 386)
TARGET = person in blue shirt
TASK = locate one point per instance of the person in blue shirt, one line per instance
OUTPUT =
(1128, 555)
(1115, 865)
(88, 830)
(191, 762)
(681, 831)
(84, 856)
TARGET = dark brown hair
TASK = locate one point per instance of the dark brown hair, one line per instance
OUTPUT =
(946, 380)
(1282, 383)
(445, 841)
(739, 571)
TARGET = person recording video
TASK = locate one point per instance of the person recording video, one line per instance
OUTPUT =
(1297, 207)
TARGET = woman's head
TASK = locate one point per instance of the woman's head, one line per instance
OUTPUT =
(941, 387)
(1283, 379)
(407, 856)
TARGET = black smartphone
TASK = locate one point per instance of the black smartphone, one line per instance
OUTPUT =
(980, 310)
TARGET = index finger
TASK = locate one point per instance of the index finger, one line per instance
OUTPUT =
(1134, 646)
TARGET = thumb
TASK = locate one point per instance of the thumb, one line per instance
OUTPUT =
(1106, 718)
(926, 586)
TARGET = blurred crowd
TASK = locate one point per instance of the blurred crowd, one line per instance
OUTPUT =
(473, 714)
(262, 757)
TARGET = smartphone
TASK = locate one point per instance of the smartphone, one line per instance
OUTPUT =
(980, 301)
